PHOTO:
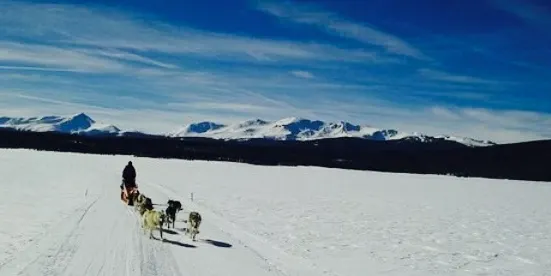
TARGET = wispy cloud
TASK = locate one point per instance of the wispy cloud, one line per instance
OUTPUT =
(103, 28)
(55, 57)
(505, 126)
(125, 56)
(499, 126)
(335, 24)
(302, 74)
(447, 77)
(528, 11)
(465, 95)
(138, 72)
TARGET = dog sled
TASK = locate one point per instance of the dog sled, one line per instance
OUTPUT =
(129, 193)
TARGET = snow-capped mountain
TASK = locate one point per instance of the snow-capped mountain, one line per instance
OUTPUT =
(78, 124)
(285, 129)
(304, 129)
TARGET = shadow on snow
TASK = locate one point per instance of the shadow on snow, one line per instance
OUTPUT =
(176, 243)
(172, 232)
(217, 243)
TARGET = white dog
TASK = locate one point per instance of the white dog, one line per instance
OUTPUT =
(153, 219)
(193, 222)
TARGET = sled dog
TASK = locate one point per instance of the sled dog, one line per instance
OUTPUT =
(140, 200)
(152, 219)
(194, 221)
(173, 208)
(146, 205)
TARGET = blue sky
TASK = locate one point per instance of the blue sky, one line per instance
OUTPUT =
(465, 68)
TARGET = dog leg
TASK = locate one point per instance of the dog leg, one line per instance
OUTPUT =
(173, 222)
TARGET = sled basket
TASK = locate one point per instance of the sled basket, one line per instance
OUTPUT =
(128, 194)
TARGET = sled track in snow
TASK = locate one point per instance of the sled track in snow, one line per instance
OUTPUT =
(271, 259)
(155, 258)
(104, 236)
(269, 265)
(51, 254)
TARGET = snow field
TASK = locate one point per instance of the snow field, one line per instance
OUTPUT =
(353, 223)
(266, 220)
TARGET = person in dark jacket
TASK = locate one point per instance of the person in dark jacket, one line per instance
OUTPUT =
(129, 175)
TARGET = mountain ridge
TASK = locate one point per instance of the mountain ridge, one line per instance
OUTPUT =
(291, 128)
(302, 129)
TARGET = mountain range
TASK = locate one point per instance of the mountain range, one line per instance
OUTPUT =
(297, 129)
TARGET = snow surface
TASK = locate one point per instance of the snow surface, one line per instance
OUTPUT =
(61, 215)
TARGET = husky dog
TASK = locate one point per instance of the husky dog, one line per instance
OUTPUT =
(152, 219)
(140, 200)
(193, 222)
(173, 208)
(146, 205)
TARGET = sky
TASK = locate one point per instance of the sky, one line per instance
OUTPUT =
(467, 68)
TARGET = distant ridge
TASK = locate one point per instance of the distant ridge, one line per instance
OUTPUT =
(287, 129)
(302, 129)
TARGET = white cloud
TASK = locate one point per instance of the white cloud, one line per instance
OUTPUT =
(157, 89)
(93, 27)
(56, 57)
(129, 57)
(138, 114)
(302, 74)
(502, 126)
(334, 24)
(224, 106)
(499, 126)
(444, 76)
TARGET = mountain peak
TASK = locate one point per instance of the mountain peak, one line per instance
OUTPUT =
(83, 117)
(195, 129)
(253, 122)
(290, 128)
(76, 123)
(298, 128)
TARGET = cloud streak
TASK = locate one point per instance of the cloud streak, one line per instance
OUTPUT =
(57, 58)
(529, 12)
(505, 126)
(447, 77)
(75, 25)
(64, 59)
(302, 74)
(336, 25)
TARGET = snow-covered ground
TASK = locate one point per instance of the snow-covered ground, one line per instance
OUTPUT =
(61, 215)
